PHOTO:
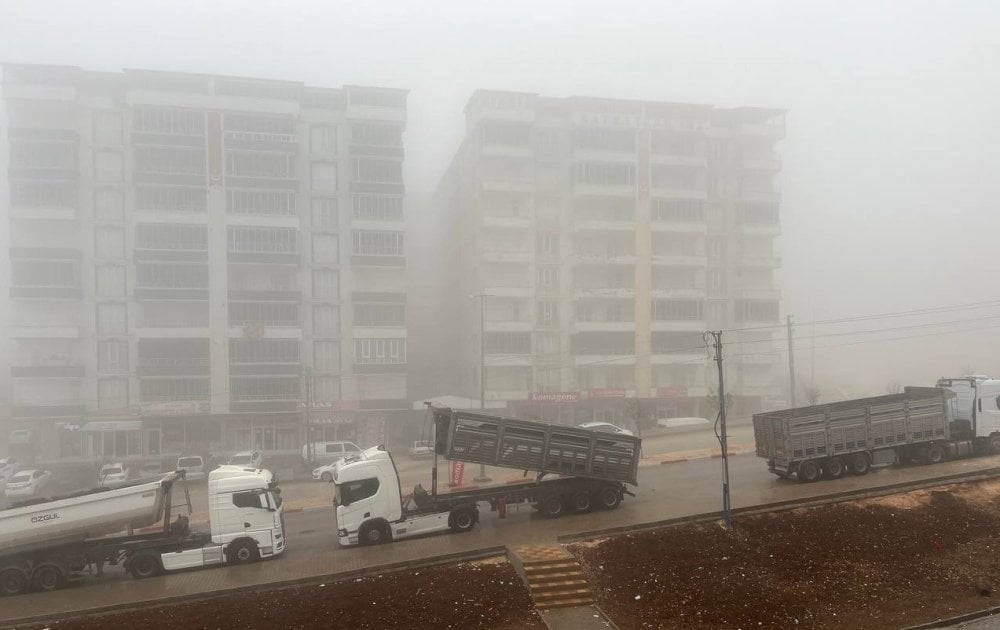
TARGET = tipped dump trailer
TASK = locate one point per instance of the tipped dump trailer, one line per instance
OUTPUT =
(575, 470)
(958, 418)
(45, 543)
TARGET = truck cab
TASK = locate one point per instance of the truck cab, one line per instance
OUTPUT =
(975, 406)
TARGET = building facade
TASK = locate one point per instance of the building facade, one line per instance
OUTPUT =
(201, 263)
(599, 239)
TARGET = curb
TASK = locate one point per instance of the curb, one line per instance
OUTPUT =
(392, 567)
(952, 621)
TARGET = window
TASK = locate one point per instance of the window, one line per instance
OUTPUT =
(255, 123)
(756, 311)
(379, 351)
(548, 278)
(265, 313)
(547, 243)
(323, 139)
(605, 174)
(716, 280)
(44, 273)
(47, 194)
(326, 284)
(378, 207)
(678, 210)
(108, 166)
(172, 276)
(509, 134)
(378, 243)
(676, 310)
(261, 202)
(169, 389)
(326, 248)
(112, 355)
(716, 246)
(354, 491)
(508, 342)
(264, 388)
(174, 314)
(173, 198)
(109, 205)
(107, 128)
(110, 280)
(264, 350)
(326, 355)
(111, 319)
(377, 134)
(674, 177)
(169, 120)
(548, 313)
(109, 242)
(604, 138)
(324, 212)
(379, 314)
(378, 171)
(759, 214)
(174, 160)
(250, 499)
(112, 393)
(326, 321)
(176, 236)
(324, 176)
(260, 164)
(43, 155)
(262, 240)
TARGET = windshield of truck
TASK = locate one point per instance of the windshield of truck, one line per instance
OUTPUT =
(189, 462)
(240, 460)
(356, 490)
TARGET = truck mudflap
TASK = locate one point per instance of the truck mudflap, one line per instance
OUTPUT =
(626, 491)
(782, 470)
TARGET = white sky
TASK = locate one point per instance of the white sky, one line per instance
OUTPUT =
(892, 173)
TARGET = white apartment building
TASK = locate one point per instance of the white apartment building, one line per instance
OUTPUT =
(193, 258)
(604, 237)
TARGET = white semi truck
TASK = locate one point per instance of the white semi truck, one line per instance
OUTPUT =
(43, 544)
(576, 471)
(957, 418)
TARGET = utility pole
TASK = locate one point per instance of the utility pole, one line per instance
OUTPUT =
(310, 447)
(791, 360)
(482, 373)
(727, 516)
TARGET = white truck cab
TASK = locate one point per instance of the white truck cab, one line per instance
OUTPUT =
(977, 403)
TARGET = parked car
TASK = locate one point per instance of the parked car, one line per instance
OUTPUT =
(27, 484)
(328, 452)
(605, 427)
(150, 469)
(249, 459)
(113, 474)
(422, 448)
(192, 465)
(682, 422)
(325, 472)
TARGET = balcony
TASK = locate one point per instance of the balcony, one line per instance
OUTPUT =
(604, 292)
(679, 260)
(507, 256)
(61, 292)
(506, 325)
(598, 225)
(508, 222)
(765, 293)
(606, 357)
(581, 189)
(769, 131)
(47, 371)
(696, 291)
(768, 162)
(40, 410)
(497, 359)
(502, 184)
(691, 325)
(263, 257)
(604, 326)
(760, 196)
(45, 332)
(604, 259)
(264, 295)
(521, 291)
(173, 366)
(262, 141)
(697, 161)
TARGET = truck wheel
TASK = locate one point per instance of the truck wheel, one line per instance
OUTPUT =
(14, 581)
(833, 468)
(995, 443)
(553, 506)
(580, 502)
(144, 565)
(243, 551)
(809, 471)
(934, 454)
(374, 534)
(327, 477)
(609, 498)
(48, 577)
(859, 464)
(462, 520)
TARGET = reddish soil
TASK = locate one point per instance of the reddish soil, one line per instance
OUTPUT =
(471, 595)
(883, 563)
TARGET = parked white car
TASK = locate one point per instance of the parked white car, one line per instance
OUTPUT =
(669, 423)
(325, 472)
(247, 459)
(113, 474)
(328, 452)
(605, 427)
(27, 484)
(422, 448)
(192, 465)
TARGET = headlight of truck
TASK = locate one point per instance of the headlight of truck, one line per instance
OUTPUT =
(342, 533)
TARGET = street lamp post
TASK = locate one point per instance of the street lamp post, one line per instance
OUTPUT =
(482, 372)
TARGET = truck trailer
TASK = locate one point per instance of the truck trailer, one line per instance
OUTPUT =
(575, 470)
(43, 544)
(957, 418)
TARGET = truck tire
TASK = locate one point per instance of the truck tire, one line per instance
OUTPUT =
(243, 552)
(833, 468)
(809, 471)
(462, 520)
(553, 506)
(859, 464)
(995, 443)
(327, 477)
(581, 502)
(145, 565)
(934, 454)
(609, 498)
(374, 534)
(48, 577)
(14, 581)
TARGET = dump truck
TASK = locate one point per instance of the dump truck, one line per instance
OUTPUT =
(957, 418)
(575, 471)
(46, 543)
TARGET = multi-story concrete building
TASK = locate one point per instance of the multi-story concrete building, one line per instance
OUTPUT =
(194, 257)
(603, 237)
